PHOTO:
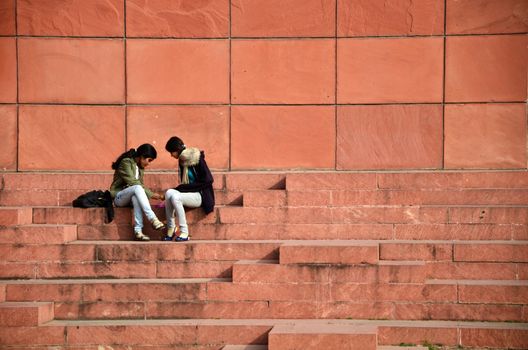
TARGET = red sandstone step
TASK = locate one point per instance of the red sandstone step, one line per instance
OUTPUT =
(339, 198)
(329, 336)
(190, 332)
(460, 251)
(64, 197)
(328, 215)
(36, 234)
(488, 291)
(329, 252)
(12, 216)
(408, 180)
(245, 347)
(96, 216)
(13, 314)
(269, 271)
(476, 271)
(402, 347)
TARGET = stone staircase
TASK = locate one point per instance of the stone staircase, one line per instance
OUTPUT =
(322, 260)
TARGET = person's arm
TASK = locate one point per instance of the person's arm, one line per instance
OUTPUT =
(204, 178)
(126, 172)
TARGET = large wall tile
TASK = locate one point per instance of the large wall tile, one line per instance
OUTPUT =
(8, 137)
(283, 18)
(178, 71)
(7, 17)
(486, 68)
(390, 17)
(8, 70)
(389, 70)
(283, 71)
(267, 137)
(71, 70)
(389, 137)
(205, 127)
(182, 19)
(70, 137)
(487, 16)
(71, 17)
(485, 136)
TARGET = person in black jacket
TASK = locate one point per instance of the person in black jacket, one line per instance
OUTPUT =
(195, 188)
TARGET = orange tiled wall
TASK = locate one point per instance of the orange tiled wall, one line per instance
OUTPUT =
(265, 84)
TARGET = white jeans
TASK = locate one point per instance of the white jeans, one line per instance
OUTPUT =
(175, 201)
(135, 194)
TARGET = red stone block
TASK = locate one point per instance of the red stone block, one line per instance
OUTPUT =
(458, 231)
(78, 137)
(264, 198)
(492, 252)
(71, 71)
(8, 138)
(488, 215)
(130, 335)
(56, 291)
(156, 125)
(419, 251)
(7, 17)
(259, 291)
(33, 197)
(458, 312)
(15, 216)
(333, 252)
(205, 269)
(145, 290)
(8, 70)
(261, 137)
(330, 181)
(511, 337)
(100, 310)
(454, 180)
(486, 68)
(322, 336)
(25, 314)
(254, 181)
(46, 251)
(201, 309)
(56, 181)
(389, 70)
(355, 310)
(234, 334)
(394, 17)
(96, 270)
(277, 18)
(174, 19)
(31, 336)
(38, 233)
(17, 270)
(177, 71)
(262, 71)
(433, 334)
(520, 232)
(485, 136)
(389, 137)
(472, 271)
(487, 16)
(392, 292)
(73, 18)
(496, 292)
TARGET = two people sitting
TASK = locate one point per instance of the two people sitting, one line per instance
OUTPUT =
(194, 190)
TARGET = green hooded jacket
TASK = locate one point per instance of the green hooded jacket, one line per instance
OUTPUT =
(125, 176)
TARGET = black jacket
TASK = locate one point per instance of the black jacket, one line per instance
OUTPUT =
(203, 183)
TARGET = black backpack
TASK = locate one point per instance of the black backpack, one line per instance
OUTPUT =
(96, 199)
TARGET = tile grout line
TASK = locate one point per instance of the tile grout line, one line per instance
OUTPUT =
(17, 131)
(230, 86)
(125, 139)
(335, 83)
(444, 85)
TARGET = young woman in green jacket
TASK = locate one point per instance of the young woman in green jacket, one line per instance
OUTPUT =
(127, 187)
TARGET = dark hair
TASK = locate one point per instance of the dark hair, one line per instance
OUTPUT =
(175, 144)
(145, 150)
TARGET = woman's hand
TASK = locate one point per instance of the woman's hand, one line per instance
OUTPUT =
(158, 196)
